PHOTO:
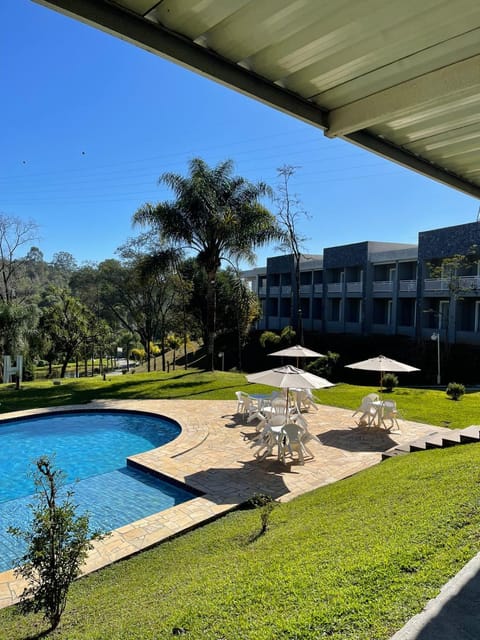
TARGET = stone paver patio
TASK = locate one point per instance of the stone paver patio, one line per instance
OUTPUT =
(213, 456)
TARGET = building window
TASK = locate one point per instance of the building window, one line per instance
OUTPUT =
(305, 307)
(306, 277)
(381, 311)
(334, 309)
(317, 277)
(406, 312)
(353, 310)
(285, 307)
(273, 307)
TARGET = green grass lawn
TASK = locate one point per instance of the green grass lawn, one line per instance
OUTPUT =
(419, 405)
(350, 561)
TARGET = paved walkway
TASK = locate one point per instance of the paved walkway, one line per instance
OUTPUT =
(213, 455)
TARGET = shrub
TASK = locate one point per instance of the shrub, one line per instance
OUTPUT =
(323, 366)
(455, 390)
(390, 380)
(57, 545)
(266, 505)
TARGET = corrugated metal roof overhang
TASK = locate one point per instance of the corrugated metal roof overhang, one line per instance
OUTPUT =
(401, 79)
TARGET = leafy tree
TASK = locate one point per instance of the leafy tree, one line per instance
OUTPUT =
(287, 336)
(57, 545)
(67, 323)
(215, 214)
(454, 271)
(174, 342)
(17, 325)
(140, 298)
(244, 308)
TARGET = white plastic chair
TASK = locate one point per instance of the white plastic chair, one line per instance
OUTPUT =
(367, 409)
(265, 442)
(242, 401)
(389, 412)
(292, 441)
(247, 406)
(304, 399)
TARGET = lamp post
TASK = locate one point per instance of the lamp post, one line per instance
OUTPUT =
(436, 336)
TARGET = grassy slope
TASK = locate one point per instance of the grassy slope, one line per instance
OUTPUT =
(351, 561)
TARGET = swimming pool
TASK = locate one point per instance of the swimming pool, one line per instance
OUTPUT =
(91, 447)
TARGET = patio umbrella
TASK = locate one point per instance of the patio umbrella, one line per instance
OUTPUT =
(297, 351)
(383, 365)
(289, 377)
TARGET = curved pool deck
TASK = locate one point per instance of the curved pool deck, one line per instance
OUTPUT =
(212, 455)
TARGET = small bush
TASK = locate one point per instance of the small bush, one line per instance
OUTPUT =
(390, 380)
(455, 390)
(258, 500)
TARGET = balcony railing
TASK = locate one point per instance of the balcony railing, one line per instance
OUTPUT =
(306, 289)
(275, 291)
(262, 291)
(469, 283)
(408, 285)
(335, 287)
(463, 283)
(286, 290)
(354, 287)
(318, 288)
(383, 286)
(437, 284)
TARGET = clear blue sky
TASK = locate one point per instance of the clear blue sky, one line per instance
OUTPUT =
(89, 122)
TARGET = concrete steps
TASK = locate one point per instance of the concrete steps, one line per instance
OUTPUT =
(436, 441)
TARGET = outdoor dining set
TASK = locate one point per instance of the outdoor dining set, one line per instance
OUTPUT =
(280, 423)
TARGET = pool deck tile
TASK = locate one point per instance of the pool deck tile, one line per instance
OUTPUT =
(212, 455)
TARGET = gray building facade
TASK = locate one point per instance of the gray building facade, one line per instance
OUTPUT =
(371, 288)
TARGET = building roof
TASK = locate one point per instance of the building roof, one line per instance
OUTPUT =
(401, 79)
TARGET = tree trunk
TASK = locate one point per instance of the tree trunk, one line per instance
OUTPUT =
(211, 319)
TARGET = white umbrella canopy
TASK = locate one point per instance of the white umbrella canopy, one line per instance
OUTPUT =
(298, 351)
(289, 377)
(383, 365)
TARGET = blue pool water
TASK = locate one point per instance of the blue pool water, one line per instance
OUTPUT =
(91, 448)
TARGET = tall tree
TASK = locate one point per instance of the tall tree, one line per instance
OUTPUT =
(289, 215)
(66, 322)
(14, 234)
(215, 214)
(139, 298)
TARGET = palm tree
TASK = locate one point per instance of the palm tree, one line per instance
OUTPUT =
(215, 214)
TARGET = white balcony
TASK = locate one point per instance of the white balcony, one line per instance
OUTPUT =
(437, 284)
(354, 287)
(318, 288)
(286, 290)
(335, 287)
(306, 289)
(383, 286)
(409, 286)
(262, 291)
(469, 283)
(275, 291)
